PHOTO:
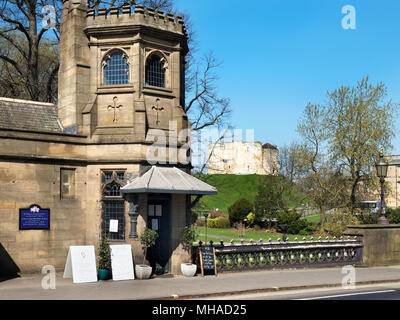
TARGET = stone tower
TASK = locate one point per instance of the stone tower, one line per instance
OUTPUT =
(121, 72)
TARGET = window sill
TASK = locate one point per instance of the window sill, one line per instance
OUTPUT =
(125, 88)
(158, 90)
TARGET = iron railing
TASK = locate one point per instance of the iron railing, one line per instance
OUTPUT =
(294, 254)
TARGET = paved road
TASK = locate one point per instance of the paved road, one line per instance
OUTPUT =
(369, 292)
(225, 284)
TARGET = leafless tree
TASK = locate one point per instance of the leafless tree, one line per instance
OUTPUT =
(206, 108)
(21, 29)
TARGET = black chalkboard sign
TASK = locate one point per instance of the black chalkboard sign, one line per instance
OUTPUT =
(207, 259)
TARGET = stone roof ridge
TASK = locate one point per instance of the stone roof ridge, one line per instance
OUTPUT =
(180, 173)
(30, 102)
(135, 14)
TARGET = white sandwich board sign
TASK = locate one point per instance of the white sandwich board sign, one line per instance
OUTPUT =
(81, 264)
(122, 262)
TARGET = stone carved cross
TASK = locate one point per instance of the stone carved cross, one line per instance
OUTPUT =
(115, 107)
(157, 108)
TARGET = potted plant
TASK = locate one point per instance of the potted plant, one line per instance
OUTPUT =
(104, 258)
(189, 236)
(147, 239)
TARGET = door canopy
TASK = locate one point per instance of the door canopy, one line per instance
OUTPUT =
(168, 180)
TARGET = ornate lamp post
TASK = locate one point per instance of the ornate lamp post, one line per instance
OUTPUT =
(381, 171)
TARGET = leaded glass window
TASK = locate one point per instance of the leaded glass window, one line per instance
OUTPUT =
(113, 203)
(155, 71)
(114, 210)
(116, 69)
(112, 190)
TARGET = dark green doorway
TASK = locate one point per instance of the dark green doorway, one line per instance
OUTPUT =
(159, 219)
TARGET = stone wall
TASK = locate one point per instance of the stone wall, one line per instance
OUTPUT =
(178, 223)
(23, 184)
(381, 243)
(270, 160)
(30, 174)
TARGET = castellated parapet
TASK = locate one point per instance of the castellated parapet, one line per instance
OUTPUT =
(136, 15)
(124, 111)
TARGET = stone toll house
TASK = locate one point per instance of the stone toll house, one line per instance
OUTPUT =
(121, 83)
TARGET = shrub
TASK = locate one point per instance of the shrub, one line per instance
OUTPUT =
(366, 218)
(251, 218)
(147, 239)
(201, 222)
(294, 220)
(337, 222)
(214, 214)
(394, 218)
(239, 210)
(310, 229)
(393, 215)
(219, 223)
(188, 237)
(194, 217)
(104, 253)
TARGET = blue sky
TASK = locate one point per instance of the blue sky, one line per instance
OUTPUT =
(278, 55)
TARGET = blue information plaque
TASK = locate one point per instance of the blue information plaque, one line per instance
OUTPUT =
(34, 218)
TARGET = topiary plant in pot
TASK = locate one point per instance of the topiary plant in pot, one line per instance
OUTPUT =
(147, 239)
(104, 258)
(189, 236)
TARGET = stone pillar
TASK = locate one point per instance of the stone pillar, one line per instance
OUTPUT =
(381, 243)
(133, 200)
(74, 71)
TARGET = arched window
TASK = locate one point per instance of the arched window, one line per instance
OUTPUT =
(155, 71)
(113, 204)
(116, 69)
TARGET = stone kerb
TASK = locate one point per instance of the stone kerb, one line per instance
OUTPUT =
(135, 15)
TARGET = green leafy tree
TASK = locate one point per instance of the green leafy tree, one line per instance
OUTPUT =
(341, 140)
(239, 210)
(359, 121)
(269, 200)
